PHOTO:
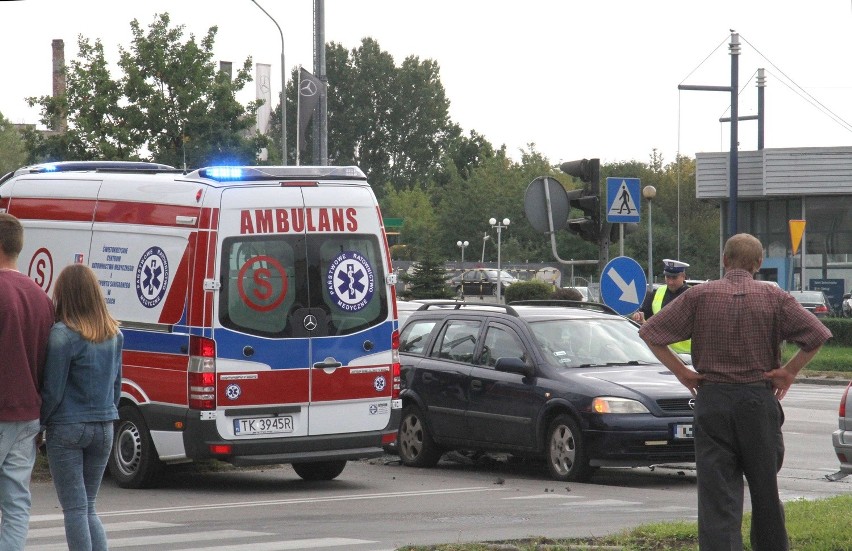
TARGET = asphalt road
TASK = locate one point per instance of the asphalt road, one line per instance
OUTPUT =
(379, 505)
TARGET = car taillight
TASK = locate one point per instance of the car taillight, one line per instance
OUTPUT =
(821, 309)
(395, 369)
(842, 411)
(201, 381)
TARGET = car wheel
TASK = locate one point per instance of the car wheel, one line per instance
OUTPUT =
(133, 461)
(319, 470)
(566, 455)
(414, 443)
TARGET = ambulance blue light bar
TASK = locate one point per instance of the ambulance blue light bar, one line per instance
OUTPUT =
(255, 173)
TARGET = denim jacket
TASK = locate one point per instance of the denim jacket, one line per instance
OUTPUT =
(82, 379)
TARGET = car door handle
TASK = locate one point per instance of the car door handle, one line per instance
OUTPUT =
(476, 385)
(328, 363)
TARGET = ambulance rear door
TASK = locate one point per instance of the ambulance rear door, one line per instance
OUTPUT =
(294, 360)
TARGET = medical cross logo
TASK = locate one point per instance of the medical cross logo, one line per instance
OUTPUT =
(152, 277)
(350, 281)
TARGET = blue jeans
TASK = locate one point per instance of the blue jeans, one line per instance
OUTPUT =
(78, 454)
(17, 457)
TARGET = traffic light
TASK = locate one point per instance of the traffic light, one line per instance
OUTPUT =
(587, 199)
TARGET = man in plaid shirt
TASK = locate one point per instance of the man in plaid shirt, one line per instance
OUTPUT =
(737, 326)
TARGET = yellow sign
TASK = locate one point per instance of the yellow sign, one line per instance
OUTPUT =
(797, 228)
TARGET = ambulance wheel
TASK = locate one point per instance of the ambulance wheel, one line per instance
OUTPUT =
(414, 443)
(320, 470)
(133, 462)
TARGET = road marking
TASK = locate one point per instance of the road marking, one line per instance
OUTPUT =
(294, 501)
(115, 527)
(115, 543)
(545, 496)
(313, 543)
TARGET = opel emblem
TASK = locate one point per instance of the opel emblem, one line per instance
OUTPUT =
(310, 322)
(308, 88)
(692, 403)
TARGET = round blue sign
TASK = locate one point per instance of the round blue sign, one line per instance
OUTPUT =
(623, 285)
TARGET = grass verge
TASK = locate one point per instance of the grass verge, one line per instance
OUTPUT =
(819, 525)
(831, 360)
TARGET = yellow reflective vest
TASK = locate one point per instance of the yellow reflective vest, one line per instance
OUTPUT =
(682, 347)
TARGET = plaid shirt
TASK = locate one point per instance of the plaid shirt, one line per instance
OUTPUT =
(737, 326)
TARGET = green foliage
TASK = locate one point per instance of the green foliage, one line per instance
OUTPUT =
(171, 102)
(528, 290)
(12, 148)
(841, 330)
(830, 359)
(427, 277)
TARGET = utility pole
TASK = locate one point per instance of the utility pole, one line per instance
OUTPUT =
(733, 157)
(320, 148)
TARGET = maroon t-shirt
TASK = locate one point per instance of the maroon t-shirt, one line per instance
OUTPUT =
(26, 316)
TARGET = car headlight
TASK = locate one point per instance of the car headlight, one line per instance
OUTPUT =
(609, 404)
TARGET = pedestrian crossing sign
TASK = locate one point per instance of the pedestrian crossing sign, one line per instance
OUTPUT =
(622, 200)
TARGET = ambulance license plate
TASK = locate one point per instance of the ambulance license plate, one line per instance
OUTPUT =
(263, 425)
(683, 431)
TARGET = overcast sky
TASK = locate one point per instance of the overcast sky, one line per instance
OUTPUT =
(577, 78)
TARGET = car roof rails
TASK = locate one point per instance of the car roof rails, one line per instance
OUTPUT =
(596, 306)
(457, 305)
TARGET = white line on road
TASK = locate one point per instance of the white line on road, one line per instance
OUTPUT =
(295, 501)
(313, 543)
(115, 527)
(168, 539)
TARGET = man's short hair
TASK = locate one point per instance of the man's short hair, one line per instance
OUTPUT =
(743, 251)
(11, 235)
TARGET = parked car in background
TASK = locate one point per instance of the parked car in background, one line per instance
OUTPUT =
(813, 301)
(842, 437)
(574, 386)
(481, 281)
(583, 291)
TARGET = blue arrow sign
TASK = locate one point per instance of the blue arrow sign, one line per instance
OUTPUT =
(623, 285)
(622, 200)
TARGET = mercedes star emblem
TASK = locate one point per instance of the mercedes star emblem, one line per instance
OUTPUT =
(310, 322)
(307, 88)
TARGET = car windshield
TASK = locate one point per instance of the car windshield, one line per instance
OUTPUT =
(808, 296)
(492, 274)
(577, 343)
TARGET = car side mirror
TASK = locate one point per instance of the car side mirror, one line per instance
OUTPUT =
(514, 365)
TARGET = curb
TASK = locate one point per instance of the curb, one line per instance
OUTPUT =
(822, 381)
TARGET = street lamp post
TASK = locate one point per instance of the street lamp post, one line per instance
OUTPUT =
(649, 192)
(283, 88)
(484, 239)
(499, 227)
(462, 245)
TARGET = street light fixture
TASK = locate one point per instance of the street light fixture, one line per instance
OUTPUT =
(283, 88)
(649, 192)
(462, 245)
(484, 239)
(499, 227)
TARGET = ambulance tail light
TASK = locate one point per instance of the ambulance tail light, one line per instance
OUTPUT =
(395, 368)
(202, 373)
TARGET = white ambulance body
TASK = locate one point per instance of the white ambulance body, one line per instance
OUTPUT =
(257, 306)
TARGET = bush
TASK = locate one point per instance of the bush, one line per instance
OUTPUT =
(528, 290)
(841, 328)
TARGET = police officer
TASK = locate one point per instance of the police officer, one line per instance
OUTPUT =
(675, 274)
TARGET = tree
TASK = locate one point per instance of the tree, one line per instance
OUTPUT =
(171, 103)
(427, 279)
(13, 154)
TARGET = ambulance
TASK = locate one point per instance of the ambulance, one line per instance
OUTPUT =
(257, 305)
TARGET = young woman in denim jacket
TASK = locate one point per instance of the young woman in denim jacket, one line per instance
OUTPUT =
(80, 393)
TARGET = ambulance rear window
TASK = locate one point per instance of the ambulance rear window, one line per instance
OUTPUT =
(272, 284)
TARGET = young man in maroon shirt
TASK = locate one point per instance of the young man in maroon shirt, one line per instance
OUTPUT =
(26, 316)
